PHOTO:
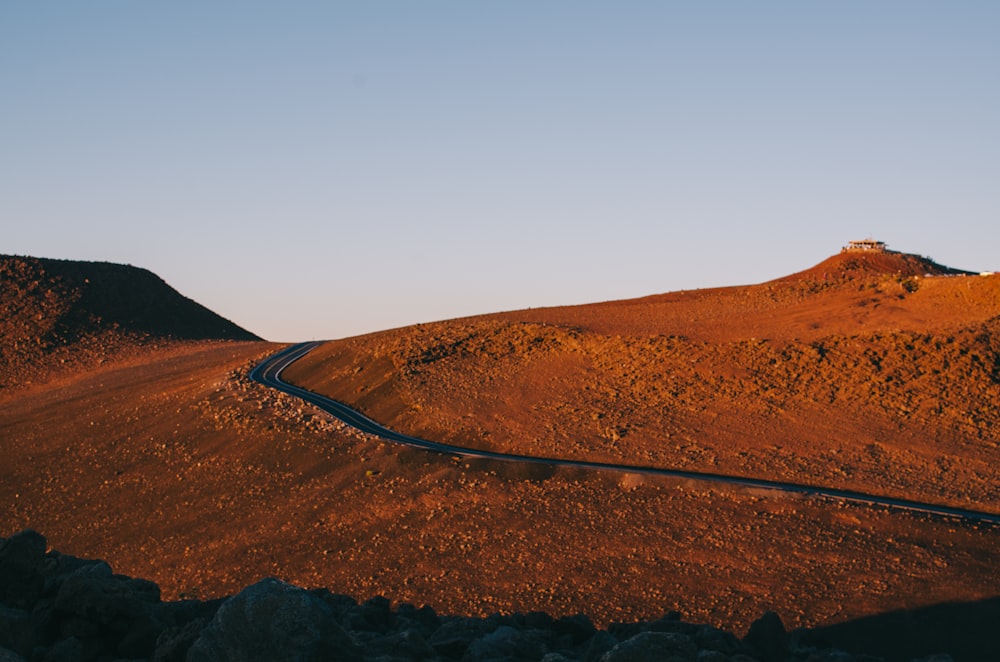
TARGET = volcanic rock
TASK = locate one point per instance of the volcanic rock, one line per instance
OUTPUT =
(88, 613)
(653, 647)
(272, 620)
(767, 636)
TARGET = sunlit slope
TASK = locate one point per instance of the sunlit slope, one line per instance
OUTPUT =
(162, 457)
(847, 293)
(177, 467)
(878, 373)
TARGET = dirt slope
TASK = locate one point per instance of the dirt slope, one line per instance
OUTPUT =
(169, 463)
(861, 373)
(57, 314)
(174, 466)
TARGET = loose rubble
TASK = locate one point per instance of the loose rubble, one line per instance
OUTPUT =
(56, 607)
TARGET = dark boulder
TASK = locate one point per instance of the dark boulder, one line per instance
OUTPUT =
(174, 642)
(273, 621)
(653, 647)
(405, 645)
(409, 617)
(70, 649)
(508, 643)
(21, 559)
(598, 645)
(377, 612)
(7, 655)
(13, 625)
(114, 613)
(710, 639)
(578, 626)
(453, 636)
(768, 638)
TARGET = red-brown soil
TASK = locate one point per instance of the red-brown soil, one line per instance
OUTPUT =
(169, 463)
(861, 374)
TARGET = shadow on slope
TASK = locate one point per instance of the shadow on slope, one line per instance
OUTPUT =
(965, 630)
(73, 299)
(60, 315)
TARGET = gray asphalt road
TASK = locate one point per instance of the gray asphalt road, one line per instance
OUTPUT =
(269, 374)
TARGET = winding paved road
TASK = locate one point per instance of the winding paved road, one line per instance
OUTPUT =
(269, 374)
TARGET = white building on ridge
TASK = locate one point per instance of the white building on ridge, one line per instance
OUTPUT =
(864, 246)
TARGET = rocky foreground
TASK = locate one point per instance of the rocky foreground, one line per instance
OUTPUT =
(56, 607)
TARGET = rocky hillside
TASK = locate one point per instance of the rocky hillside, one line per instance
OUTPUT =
(858, 266)
(867, 372)
(176, 467)
(57, 607)
(58, 313)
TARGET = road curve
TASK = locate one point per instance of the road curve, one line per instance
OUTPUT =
(268, 372)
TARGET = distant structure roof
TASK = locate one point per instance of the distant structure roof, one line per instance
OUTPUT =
(864, 246)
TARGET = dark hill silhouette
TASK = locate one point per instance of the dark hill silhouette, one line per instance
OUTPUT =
(47, 306)
(92, 296)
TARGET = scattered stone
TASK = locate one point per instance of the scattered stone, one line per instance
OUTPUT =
(56, 608)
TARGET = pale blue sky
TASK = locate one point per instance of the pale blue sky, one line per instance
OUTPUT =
(323, 169)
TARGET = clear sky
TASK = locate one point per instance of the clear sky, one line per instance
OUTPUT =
(320, 169)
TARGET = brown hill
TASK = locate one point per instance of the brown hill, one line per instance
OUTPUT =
(844, 294)
(59, 312)
(874, 378)
(862, 265)
(172, 465)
